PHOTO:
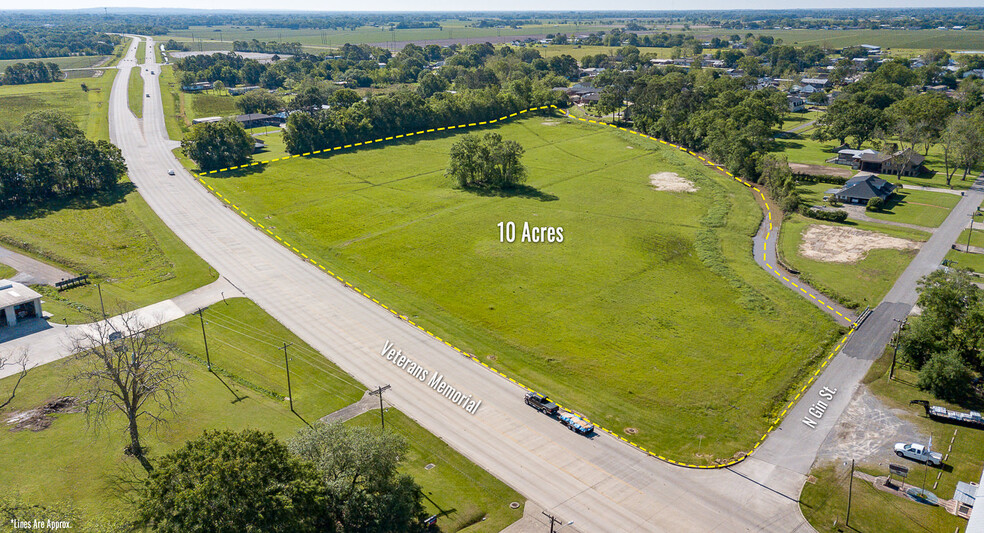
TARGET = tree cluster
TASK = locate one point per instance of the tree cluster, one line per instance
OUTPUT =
(49, 157)
(946, 342)
(31, 72)
(328, 478)
(217, 145)
(271, 47)
(487, 162)
(30, 41)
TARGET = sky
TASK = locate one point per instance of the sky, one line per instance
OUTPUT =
(486, 5)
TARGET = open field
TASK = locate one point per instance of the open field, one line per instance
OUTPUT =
(793, 120)
(873, 510)
(922, 208)
(135, 93)
(909, 39)
(89, 108)
(799, 148)
(472, 498)
(67, 462)
(62, 62)
(854, 285)
(180, 107)
(564, 317)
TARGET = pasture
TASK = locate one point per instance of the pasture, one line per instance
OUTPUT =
(89, 109)
(648, 289)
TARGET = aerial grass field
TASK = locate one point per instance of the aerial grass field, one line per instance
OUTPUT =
(872, 510)
(580, 51)
(62, 62)
(89, 109)
(135, 92)
(67, 461)
(854, 285)
(141, 52)
(647, 289)
(886, 38)
(910, 206)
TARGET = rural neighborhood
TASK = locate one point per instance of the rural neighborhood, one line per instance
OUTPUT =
(539, 268)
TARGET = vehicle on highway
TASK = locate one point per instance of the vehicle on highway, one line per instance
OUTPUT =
(148, 95)
(918, 452)
(170, 172)
(576, 423)
(541, 403)
(152, 73)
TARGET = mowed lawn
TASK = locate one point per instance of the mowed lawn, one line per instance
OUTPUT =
(89, 108)
(854, 285)
(616, 321)
(67, 462)
(911, 206)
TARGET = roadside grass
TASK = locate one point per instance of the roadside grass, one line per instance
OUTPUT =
(974, 262)
(873, 510)
(175, 114)
(6, 271)
(135, 92)
(115, 238)
(911, 206)
(67, 461)
(62, 62)
(824, 505)
(853, 285)
(210, 105)
(89, 109)
(613, 321)
(799, 148)
(464, 496)
(141, 52)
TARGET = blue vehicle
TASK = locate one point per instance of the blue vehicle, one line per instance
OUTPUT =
(576, 423)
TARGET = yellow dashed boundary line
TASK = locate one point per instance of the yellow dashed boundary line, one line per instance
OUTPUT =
(404, 318)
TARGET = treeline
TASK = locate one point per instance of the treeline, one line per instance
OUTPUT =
(32, 72)
(272, 47)
(49, 157)
(39, 41)
(407, 111)
(716, 115)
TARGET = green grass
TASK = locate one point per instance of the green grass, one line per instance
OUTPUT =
(473, 499)
(62, 62)
(6, 271)
(910, 206)
(799, 148)
(141, 52)
(158, 57)
(613, 321)
(792, 120)
(135, 93)
(908, 39)
(973, 262)
(173, 100)
(210, 105)
(580, 51)
(90, 110)
(873, 510)
(115, 238)
(854, 285)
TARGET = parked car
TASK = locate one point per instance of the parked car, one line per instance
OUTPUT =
(918, 452)
(170, 172)
(576, 423)
(541, 403)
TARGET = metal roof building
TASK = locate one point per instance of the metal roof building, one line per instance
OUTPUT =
(17, 302)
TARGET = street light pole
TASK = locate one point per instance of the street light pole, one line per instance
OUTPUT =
(201, 317)
(290, 395)
(103, 307)
(898, 340)
(379, 392)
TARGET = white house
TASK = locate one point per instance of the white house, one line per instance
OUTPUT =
(17, 302)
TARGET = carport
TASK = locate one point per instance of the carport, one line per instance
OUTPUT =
(17, 302)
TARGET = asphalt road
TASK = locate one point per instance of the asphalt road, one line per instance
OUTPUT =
(600, 483)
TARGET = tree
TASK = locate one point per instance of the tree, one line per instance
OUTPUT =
(216, 145)
(610, 100)
(874, 203)
(127, 367)
(360, 470)
(259, 101)
(218, 86)
(776, 175)
(848, 118)
(231, 482)
(429, 84)
(18, 361)
(946, 376)
(487, 162)
(927, 111)
(966, 133)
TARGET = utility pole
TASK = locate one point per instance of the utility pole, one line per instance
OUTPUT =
(971, 228)
(290, 395)
(379, 392)
(850, 492)
(898, 341)
(553, 520)
(201, 317)
(99, 288)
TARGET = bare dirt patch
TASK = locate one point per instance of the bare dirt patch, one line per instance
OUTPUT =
(820, 170)
(670, 181)
(549, 123)
(39, 418)
(867, 432)
(837, 244)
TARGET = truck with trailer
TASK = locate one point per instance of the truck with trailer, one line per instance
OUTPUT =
(576, 423)
(541, 403)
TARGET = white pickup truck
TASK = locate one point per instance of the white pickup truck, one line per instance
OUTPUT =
(918, 452)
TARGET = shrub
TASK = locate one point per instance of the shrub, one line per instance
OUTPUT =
(823, 214)
(875, 204)
(946, 376)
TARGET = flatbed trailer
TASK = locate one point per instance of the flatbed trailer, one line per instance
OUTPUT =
(942, 414)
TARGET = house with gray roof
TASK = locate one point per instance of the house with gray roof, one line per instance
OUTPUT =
(861, 188)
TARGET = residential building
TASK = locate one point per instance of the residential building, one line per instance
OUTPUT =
(861, 188)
